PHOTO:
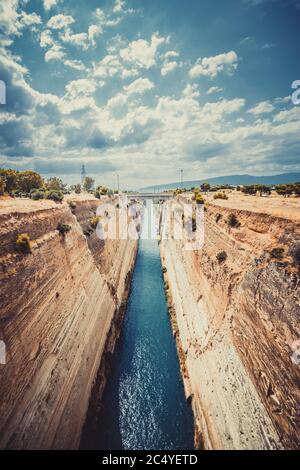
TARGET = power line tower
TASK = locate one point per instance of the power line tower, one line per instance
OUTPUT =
(83, 174)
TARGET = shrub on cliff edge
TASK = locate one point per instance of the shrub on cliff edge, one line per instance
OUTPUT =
(222, 256)
(94, 221)
(221, 196)
(56, 196)
(296, 255)
(63, 228)
(233, 221)
(277, 253)
(23, 243)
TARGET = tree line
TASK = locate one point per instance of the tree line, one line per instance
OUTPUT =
(31, 184)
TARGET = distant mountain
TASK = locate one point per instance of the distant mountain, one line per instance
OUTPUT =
(233, 180)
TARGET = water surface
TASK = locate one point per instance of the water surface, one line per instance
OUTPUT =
(144, 406)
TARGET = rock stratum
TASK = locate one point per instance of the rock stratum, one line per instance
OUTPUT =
(61, 311)
(235, 321)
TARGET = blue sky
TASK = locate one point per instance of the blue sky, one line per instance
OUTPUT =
(145, 88)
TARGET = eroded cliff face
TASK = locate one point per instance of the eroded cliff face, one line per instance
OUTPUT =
(59, 305)
(235, 323)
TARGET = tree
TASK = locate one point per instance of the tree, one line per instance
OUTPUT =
(88, 183)
(297, 189)
(263, 189)
(102, 190)
(76, 188)
(250, 190)
(285, 190)
(205, 187)
(55, 184)
(28, 180)
(10, 179)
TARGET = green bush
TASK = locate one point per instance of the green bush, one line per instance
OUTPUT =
(221, 196)
(164, 270)
(63, 228)
(222, 256)
(199, 199)
(36, 195)
(23, 243)
(56, 196)
(233, 221)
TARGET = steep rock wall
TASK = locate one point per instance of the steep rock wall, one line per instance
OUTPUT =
(57, 309)
(236, 321)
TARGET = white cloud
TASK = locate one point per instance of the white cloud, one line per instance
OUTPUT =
(139, 86)
(84, 86)
(263, 107)
(30, 19)
(46, 38)
(94, 31)
(168, 67)
(119, 6)
(171, 54)
(105, 20)
(142, 53)
(13, 20)
(107, 67)
(60, 21)
(74, 64)
(9, 17)
(48, 4)
(78, 39)
(117, 101)
(55, 53)
(214, 89)
(191, 91)
(212, 66)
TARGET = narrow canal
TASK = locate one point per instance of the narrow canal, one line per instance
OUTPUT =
(144, 406)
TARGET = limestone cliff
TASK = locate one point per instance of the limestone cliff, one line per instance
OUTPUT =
(58, 307)
(236, 317)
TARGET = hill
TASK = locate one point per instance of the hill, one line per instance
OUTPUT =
(233, 180)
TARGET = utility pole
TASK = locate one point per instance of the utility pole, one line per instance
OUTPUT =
(118, 183)
(181, 178)
(83, 174)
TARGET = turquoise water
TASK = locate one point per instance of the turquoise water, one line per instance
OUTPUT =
(144, 406)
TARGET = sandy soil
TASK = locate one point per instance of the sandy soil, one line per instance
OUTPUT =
(9, 205)
(288, 208)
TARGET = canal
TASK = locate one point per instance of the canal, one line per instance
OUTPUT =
(144, 406)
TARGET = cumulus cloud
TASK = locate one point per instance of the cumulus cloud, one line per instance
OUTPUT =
(139, 86)
(263, 107)
(214, 89)
(124, 125)
(55, 53)
(168, 67)
(78, 39)
(142, 53)
(60, 21)
(48, 4)
(212, 66)
(14, 20)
